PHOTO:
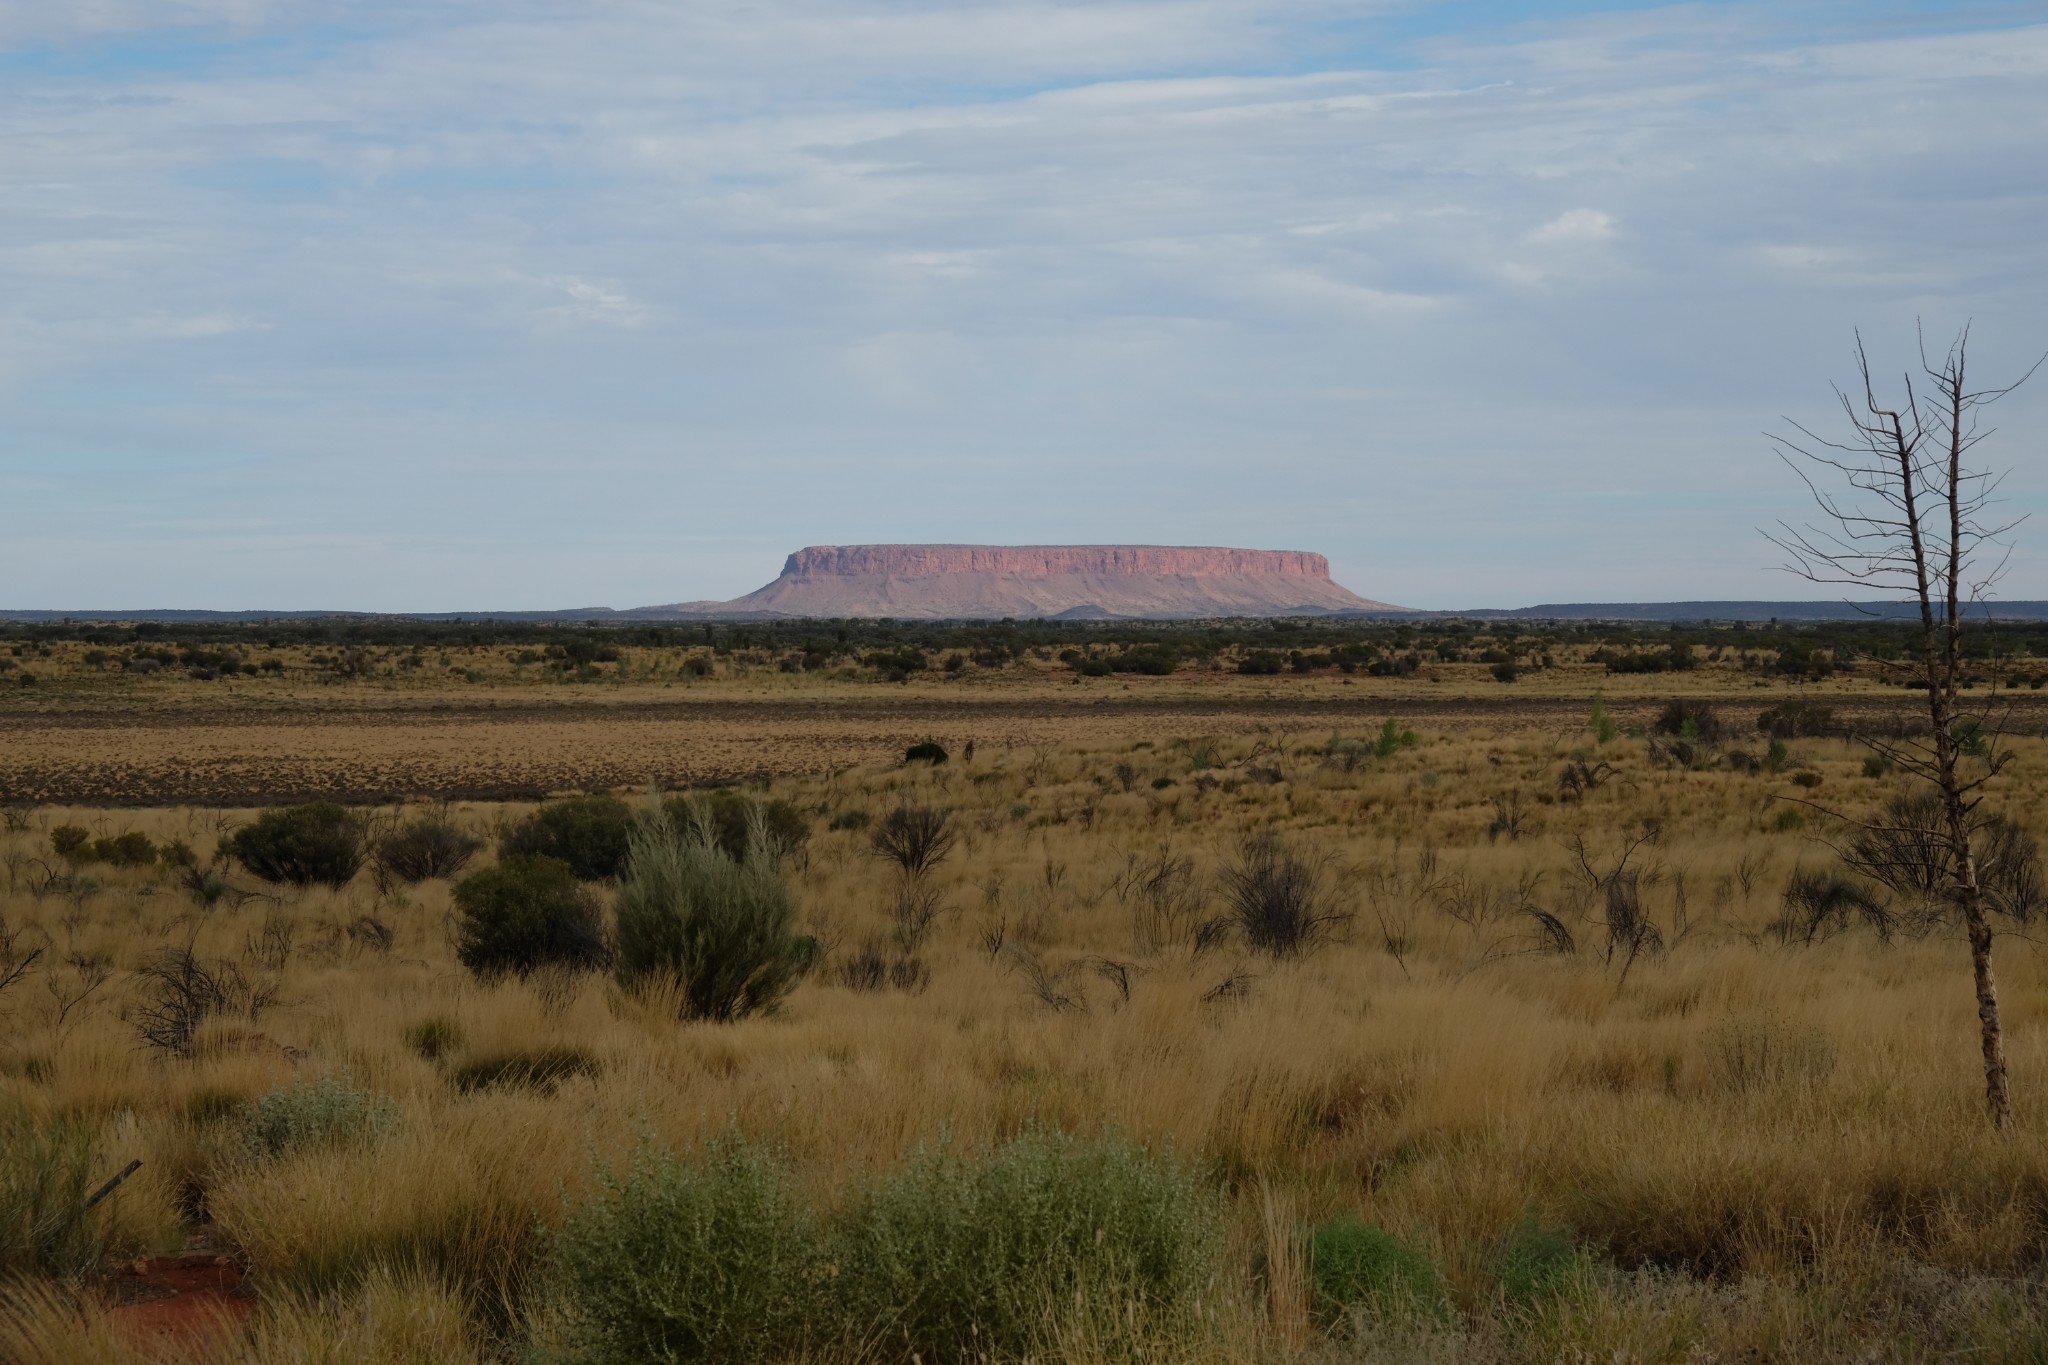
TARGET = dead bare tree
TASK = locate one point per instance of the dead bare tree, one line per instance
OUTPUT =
(1903, 508)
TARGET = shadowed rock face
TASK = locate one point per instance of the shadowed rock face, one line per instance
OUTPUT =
(990, 581)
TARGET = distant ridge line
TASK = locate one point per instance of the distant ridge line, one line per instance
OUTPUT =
(1697, 611)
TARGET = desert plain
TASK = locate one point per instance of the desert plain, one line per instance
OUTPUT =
(1302, 1014)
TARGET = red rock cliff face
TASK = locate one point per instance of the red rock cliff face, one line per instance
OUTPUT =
(983, 582)
(928, 561)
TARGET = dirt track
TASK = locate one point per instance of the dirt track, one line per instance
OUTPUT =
(381, 747)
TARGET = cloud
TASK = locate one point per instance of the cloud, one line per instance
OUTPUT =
(592, 301)
(1575, 227)
(1242, 272)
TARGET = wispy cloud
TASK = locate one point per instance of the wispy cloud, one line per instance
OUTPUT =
(819, 270)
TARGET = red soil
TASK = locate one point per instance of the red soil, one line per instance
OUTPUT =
(197, 1294)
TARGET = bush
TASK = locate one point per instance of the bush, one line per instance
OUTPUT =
(1798, 720)
(46, 1173)
(430, 847)
(526, 913)
(71, 842)
(315, 1114)
(712, 1260)
(1537, 1263)
(732, 816)
(1392, 739)
(1355, 1265)
(1818, 904)
(1153, 661)
(180, 992)
(589, 833)
(925, 751)
(1281, 902)
(1093, 668)
(1690, 720)
(318, 844)
(1905, 849)
(132, 849)
(966, 1260)
(715, 928)
(1260, 663)
(1505, 671)
(915, 838)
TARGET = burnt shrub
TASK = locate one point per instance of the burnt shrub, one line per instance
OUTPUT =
(1798, 720)
(732, 817)
(915, 838)
(1904, 848)
(925, 751)
(526, 913)
(1281, 901)
(424, 849)
(1819, 904)
(589, 833)
(321, 844)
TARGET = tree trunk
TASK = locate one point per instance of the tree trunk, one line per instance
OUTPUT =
(1970, 900)
(1969, 897)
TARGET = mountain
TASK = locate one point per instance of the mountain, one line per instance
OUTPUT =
(1068, 582)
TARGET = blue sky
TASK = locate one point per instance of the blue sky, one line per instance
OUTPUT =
(445, 305)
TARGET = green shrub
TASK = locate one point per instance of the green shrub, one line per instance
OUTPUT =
(714, 928)
(526, 913)
(430, 847)
(317, 844)
(925, 751)
(958, 1259)
(46, 1174)
(711, 1260)
(132, 849)
(732, 815)
(1260, 663)
(1536, 1263)
(1088, 667)
(1392, 739)
(1690, 720)
(589, 833)
(1355, 1265)
(1602, 723)
(315, 1113)
(539, 1069)
(71, 842)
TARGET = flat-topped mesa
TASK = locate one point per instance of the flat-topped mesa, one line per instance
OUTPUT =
(925, 561)
(985, 582)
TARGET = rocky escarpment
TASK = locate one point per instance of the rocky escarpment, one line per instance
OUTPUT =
(1026, 581)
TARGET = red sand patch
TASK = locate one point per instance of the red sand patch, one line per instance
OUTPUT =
(197, 1294)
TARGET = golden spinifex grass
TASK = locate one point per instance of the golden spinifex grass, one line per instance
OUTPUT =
(1747, 1146)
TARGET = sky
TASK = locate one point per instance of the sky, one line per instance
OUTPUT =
(528, 304)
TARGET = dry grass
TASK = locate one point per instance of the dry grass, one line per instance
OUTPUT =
(1762, 1151)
